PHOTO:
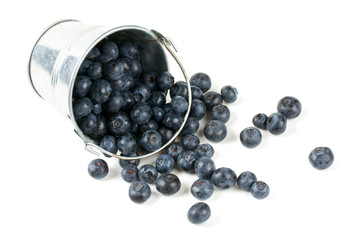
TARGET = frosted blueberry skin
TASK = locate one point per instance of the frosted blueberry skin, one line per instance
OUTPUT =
(118, 123)
(198, 109)
(124, 83)
(100, 91)
(82, 86)
(129, 100)
(93, 54)
(165, 163)
(259, 120)
(84, 66)
(290, 107)
(157, 99)
(141, 113)
(202, 189)
(168, 184)
(150, 125)
(221, 113)
(108, 143)
(129, 50)
(191, 126)
(223, 178)
(260, 190)
(211, 99)
(115, 102)
(141, 93)
(204, 167)
(250, 137)
(110, 50)
(199, 213)
(179, 89)
(196, 92)
(166, 133)
(205, 150)
(148, 173)
(321, 158)
(215, 131)
(130, 173)
(98, 168)
(157, 113)
(95, 70)
(97, 108)
(186, 161)
(127, 144)
(139, 192)
(150, 79)
(229, 93)
(82, 107)
(246, 180)
(276, 123)
(150, 140)
(88, 123)
(202, 81)
(100, 130)
(123, 163)
(190, 142)
(172, 120)
(179, 104)
(113, 70)
(165, 81)
(175, 149)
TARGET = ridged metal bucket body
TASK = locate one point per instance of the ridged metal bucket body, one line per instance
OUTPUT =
(60, 50)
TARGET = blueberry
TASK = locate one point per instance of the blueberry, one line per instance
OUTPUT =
(250, 137)
(229, 93)
(97, 108)
(123, 163)
(141, 93)
(205, 150)
(166, 134)
(148, 173)
(199, 213)
(201, 80)
(179, 104)
(196, 92)
(186, 161)
(127, 144)
(113, 70)
(115, 102)
(259, 120)
(84, 66)
(130, 173)
(150, 125)
(321, 158)
(165, 163)
(202, 189)
(276, 123)
(118, 123)
(260, 190)
(109, 51)
(168, 184)
(221, 113)
(150, 79)
(150, 140)
(139, 192)
(100, 130)
(100, 91)
(98, 168)
(82, 107)
(190, 142)
(95, 70)
(88, 123)
(157, 99)
(141, 113)
(204, 167)
(191, 126)
(179, 89)
(128, 66)
(173, 120)
(129, 100)
(135, 68)
(223, 178)
(123, 83)
(81, 86)
(167, 108)
(211, 99)
(128, 50)
(198, 109)
(246, 180)
(93, 54)
(165, 81)
(215, 131)
(290, 107)
(174, 150)
(157, 113)
(108, 143)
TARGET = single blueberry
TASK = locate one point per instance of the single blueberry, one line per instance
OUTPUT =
(211, 99)
(186, 161)
(150, 79)
(100, 91)
(113, 70)
(250, 137)
(123, 163)
(139, 192)
(129, 50)
(131, 67)
(246, 180)
(204, 167)
(109, 51)
(148, 173)
(84, 66)
(196, 92)
(82, 107)
(201, 80)
(276, 123)
(174, 150)
(202, 189)
(114, 103)
(198, 109)
(223, 178)
(168, 184)
(108, 143)
(141, 93)
(127, 144)
(205, 150)
(172, 120)
(165, 81)
(191, 126)
(179, 104)
(259, 120)
(93, 54)
(190, 142)
(150, 140)
(167, 108)
(97, 108)
(150, 125)
(157, 113)
(88, 123)
(95, 70)
(166, 133)
(221, 113)
(100, 130)
(135, 68)
(321, 158)
(199, 213)
(290, 107)
(157, 99)
(229, 93)
(124, 83)
(215, 131)
(118, 123)
(180, 88)
(130, 173)
(260, 190)
(81, 86)
(98, 168)
(129, 100)
(165, 163)
(141, 113)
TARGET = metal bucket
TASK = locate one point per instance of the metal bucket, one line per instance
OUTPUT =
(60, 50)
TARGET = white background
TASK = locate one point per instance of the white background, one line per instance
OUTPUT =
(267, 50)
